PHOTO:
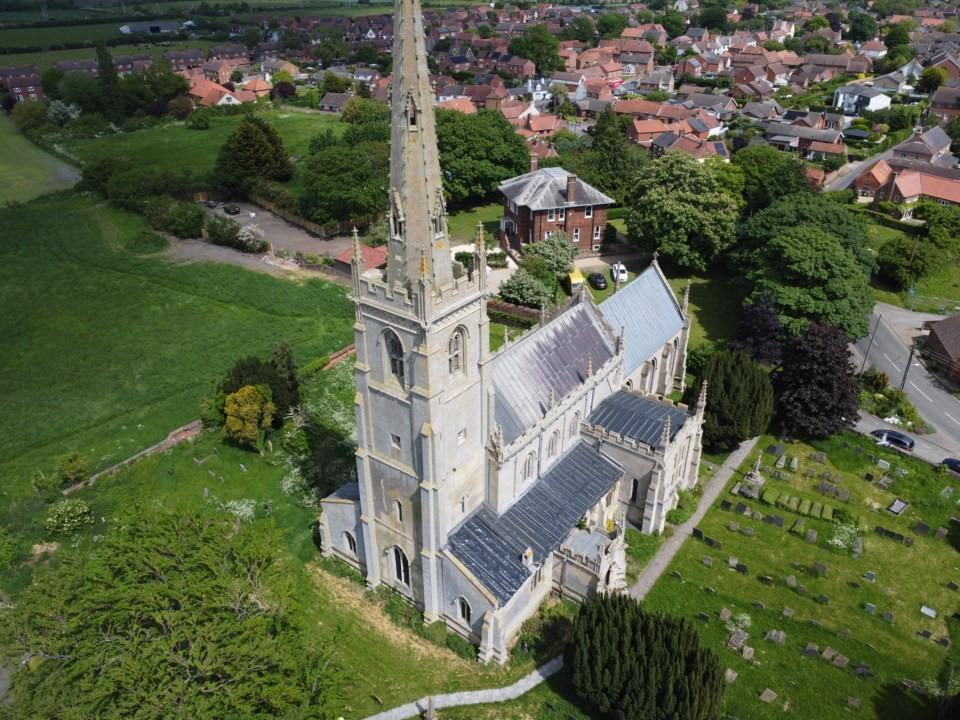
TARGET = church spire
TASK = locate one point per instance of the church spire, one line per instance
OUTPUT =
(419, 240)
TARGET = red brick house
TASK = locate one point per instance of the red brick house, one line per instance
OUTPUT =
(23, 82)
(541, 203)
(944, 342)
(945, 104)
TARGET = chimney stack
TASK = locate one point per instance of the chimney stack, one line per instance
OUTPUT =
(571, 188)
(534, 162)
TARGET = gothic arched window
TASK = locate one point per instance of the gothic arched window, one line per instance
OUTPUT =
(456, 349)
(530, 466)
(351, 542)
(394, 355)
(401, 567)
(554, 447)
(463, 610)
(575, 425)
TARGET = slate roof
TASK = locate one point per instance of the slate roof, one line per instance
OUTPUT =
(492, 546)
(637, 417)
(648, 297)
(547, 188)
(948, 332)
(553, 357)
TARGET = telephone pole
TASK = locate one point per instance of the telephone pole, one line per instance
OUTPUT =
(870, 344)
(903, 382)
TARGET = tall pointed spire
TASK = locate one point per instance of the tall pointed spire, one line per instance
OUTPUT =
(419, 240)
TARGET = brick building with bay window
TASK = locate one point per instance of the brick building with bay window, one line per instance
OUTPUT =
(550, 200)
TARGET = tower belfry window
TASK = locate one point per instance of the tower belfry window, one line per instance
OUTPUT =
(395, 356)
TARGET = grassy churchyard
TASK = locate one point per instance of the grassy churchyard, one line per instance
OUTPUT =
(852, 623)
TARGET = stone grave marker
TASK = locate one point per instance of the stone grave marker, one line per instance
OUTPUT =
(826, 475)
(953, 586)
(733, 526)
(737, 639)
(732, 561)
(870, 576)
(888, 616)
(747, 652)
(871, 457)
(921, 528)
(843, 495)
(811, 473)
(909, 540)
(868, 477)
(766, 579)
(853, 702)
(858, 546)
(777, 636)
(801, 590)
(788, 612)
(883, 464)
(729, 676)
(725, 614)
(816, 623)
(942, 532)
(823, 599)
(794, 464)
(819, 569)
(708, 561)
(747, 531)
(742, 569)
(768, 696)
(925, 634)
(828, 653)
(757, 515)
(811, 536)
(900, 472)
(736, 489)
(777, 450)
(947, 491)
(726, 505)
(811, 650)
(711, 590)
(944, 641)
(782, 461)
(863, 670)
(841, 661)
(704, 616)
(791, 581)
(870, 608)
(845, 633)
(678, 575)
(928, 611)
(698, 533)
(760, 605)
(740, 508)
(854, 584)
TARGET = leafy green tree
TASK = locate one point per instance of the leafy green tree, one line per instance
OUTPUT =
(809, 276)
(183, 613)
(248, 414)
(610, 25)
(631, 665)
(952, 129)
(673, 22)
(177, 217)
(522, 288)
(816, 388)
(539, 269)
(334, 83)
(82, 90)
(714, 18)
(679, 208)
(251, 37)
(898, 35)
(50, 82)
(769, 174)
(358, 111)
(818, 22)
(739, 399)
(556, 250)
(818, 210)
(343, 183)
(73, 468)
(862, 27)
(539, 45)
(760, 333)
(286, 393)
(478, 152)
(582, 28)
(111, 104)
(254, 151)
(931, 79)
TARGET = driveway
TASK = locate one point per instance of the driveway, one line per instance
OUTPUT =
(890, 353)
(284, 235)
(849, 172)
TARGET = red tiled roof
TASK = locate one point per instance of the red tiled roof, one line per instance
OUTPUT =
(373, 257)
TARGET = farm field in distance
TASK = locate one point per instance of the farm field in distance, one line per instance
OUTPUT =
(835, 606)
(47, 58)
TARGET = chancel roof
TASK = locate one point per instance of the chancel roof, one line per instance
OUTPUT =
(636, 417)
(492, 546)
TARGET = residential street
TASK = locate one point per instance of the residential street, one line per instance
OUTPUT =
(848, 173)
(889, 353)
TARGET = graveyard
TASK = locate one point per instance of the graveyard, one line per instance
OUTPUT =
(827, 578)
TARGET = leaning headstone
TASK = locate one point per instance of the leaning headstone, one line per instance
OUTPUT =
(782, 461)
(768, 696)
(677, 574)
(870, 608)
(788, 612)
(729, 676)
(725, 614)
(766, 579)
(942, 533)
(811, 536)
(732, 561)
(747, 531)
(737, 639)
(794, 464)
(791, 581)
(944, 641)
(710, 590)
(747, 652)
(741, 568)
(708, 561)
(953, 586)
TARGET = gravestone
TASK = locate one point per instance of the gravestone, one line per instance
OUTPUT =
(942, 533)
(791, 581)
(766, 579)
(726, 505)
(811, 650)
(845, 633)
(823, 599)
(843, 495)
(828, 653)
(733, 526)
(871, 457)
(853, 702)
(698, 533)
(858, 546)
(794, 464)
(921, 528)
(741, 508)
(841, 661)
(704, 616)
(944, 641)
(708, 561)
(811, 473)
(826, 475)
(782, 461)
(947, 491)
(732, 561)
(925, 634)
(870, 608)
(747, 652)
(747, 531)
(908, 541)
(816, 623)
(819, 569)
(759, 605)
(900, 472)
(768, 696)
(757, 515)
(736, 489)
(729, 676)
(742, 569)
(883, 464)
(777, 450)
(888, 616)
(811, 536)
(677, 574)
(854, 584)
(725, 614)
(863, 670)
(737, 639)
(928, 611)
(710, 590)
(870, 576)
(953, 586)
(868, 477)
(776, 636)
(788, 612)
(898, 506)
(801, 590)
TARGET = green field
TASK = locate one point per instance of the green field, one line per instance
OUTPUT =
(47, 58)
(907, 577)
(27, 171)
(463, 223)
(46, 36)
(173, 146)
(108, 349)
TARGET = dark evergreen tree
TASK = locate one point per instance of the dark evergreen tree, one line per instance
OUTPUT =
(287, 393)
(111, 102)
(816, 388)
(760, 333)
(253, 151)
(739, 399)
(634, 665)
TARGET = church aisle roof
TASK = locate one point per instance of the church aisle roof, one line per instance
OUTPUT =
(649, 314)
(492, 546)
(554, 357)
(637, 418)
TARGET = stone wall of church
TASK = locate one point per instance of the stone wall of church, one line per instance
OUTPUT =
(457, 585)
(340, 522)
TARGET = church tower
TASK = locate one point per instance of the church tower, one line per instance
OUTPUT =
(422, 347)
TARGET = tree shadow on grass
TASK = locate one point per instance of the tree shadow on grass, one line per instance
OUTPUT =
(893, 702)
(329, 460)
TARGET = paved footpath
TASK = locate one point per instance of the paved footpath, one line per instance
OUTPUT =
(658, 565)
(473, 697)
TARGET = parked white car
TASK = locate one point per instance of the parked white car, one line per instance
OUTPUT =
(618, 272)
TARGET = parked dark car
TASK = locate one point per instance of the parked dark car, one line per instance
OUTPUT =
(952, 464)
(597, 281)
(895, 439)
(231, 209)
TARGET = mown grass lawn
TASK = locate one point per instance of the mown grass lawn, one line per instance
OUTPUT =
(173, 146)
(907, 577)
(25, 170)
(463, 222)
(107, 350)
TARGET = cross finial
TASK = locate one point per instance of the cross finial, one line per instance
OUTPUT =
(656, 254)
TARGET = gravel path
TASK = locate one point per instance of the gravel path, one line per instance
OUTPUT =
(473, 697)
(658, 565)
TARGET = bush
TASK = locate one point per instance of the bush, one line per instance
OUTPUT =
(68, 515)
(874, 381)
(47, 487)
(461, 646)
(95, 175)
(248, 415)
(89, 125)
(8, 548)
(211, 411)
(524, 289)
(180, 219)
(250, 240)
(73, 468)
(497, 259)
(222, 230)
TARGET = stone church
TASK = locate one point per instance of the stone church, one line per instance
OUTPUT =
(488, 480)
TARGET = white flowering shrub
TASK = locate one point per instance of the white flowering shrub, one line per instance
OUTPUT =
(244, 510)
(250, 240)
(842, 537)
(68, 515)
(740, 621)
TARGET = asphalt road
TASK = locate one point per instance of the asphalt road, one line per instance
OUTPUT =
(889, 353)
